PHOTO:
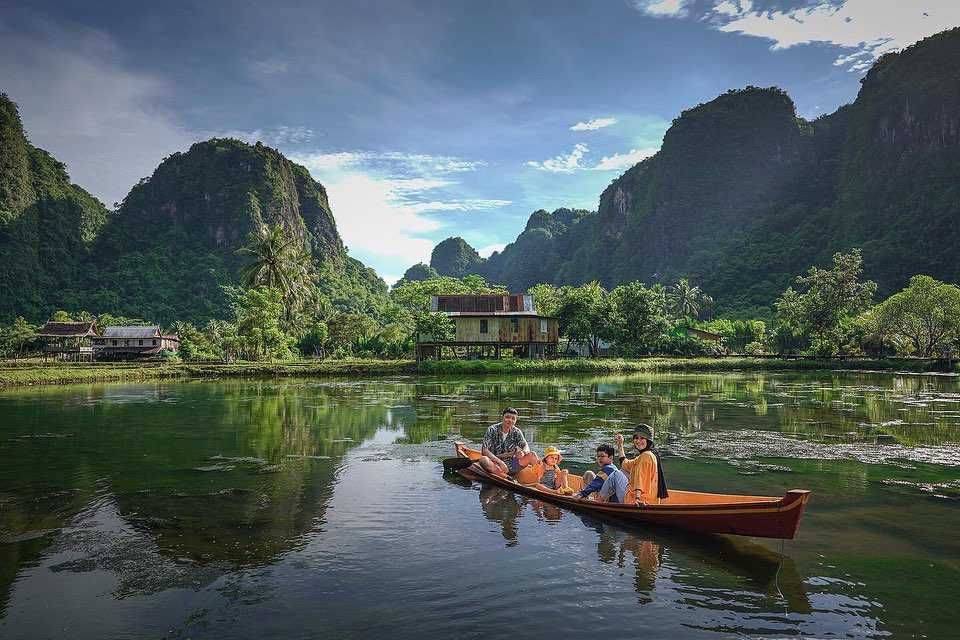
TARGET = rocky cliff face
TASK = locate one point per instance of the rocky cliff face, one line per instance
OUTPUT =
(722, 164)
(743, 195)
(899, 184)
(221, 190)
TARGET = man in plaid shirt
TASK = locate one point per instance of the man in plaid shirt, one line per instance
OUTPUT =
(504, 444)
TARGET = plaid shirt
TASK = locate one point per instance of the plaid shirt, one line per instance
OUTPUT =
(500, 444)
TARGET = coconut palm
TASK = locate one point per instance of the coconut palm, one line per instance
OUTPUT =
(279, 261)
(687, 301)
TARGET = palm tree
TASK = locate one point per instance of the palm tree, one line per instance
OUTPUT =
(278, 261)
(686, 301)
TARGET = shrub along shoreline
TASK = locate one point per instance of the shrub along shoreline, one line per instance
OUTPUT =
(19, 374)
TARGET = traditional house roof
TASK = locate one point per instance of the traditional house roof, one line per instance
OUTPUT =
(68, 330)
(132, 332)
(483, 304)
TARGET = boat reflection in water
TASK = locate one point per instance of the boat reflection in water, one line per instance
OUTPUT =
(688, 563)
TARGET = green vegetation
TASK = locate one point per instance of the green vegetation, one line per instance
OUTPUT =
(744, 194)
(454, 257)
(923, 319)
(830, 314)
(39, 374)
(47, 226)
(820, 316)
(26, 373)
(617, 365)
(243, 259)
(419, 272)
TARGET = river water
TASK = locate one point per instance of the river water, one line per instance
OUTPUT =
(319, 509)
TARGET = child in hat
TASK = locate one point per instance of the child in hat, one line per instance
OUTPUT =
(546, 474)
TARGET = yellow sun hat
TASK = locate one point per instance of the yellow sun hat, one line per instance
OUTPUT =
(553, 451)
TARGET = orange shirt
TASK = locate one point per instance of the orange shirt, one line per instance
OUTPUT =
(643, 476)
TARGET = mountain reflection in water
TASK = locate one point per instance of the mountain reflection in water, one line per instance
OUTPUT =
(247, 509)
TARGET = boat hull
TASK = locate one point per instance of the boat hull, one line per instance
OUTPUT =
(757, 516)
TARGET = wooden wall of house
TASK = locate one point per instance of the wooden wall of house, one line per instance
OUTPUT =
(507, 329)
(468, 329)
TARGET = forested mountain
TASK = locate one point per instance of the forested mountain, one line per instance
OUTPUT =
(173, 242)
(47, 224)
(743, 194)
(174, 239)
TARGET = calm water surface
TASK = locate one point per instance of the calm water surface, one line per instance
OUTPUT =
(318, 508)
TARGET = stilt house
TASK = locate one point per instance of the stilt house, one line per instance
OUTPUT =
(487, 325)
(68, 340)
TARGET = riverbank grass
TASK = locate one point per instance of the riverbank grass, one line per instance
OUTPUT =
(15, 374)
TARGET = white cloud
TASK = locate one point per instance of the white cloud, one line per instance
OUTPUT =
(620, 161)
(460, 205)
(325, 162)
(487, 251)
(391, 279)
(868, 28)
(574, 161)
(397, 162)
(733, 8)
(593, 125)
(563, 163)
(79, 103)
(427, 163)
(274, 137)
(663, 8)
(381, 200)
(376, 220)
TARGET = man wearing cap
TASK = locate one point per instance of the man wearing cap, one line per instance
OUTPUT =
(504, 446)
(647, 484)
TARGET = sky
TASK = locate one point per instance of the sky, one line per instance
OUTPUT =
(424, 119)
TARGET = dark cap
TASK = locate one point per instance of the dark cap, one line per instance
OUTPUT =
(643, 431)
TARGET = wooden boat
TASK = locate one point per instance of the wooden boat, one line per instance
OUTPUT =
(758, 516)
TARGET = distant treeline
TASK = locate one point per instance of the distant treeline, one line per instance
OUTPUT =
(281, 314)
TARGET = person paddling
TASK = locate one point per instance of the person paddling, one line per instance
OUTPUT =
(647, 483)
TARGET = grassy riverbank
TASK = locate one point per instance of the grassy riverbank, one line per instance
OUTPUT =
(25, 373)
(612, 365)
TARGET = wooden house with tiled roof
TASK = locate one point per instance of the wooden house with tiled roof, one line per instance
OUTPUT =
(68, 340)
(126, 343)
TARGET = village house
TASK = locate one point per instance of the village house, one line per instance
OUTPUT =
(68, 340)
(124, 343)
(487, 325)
